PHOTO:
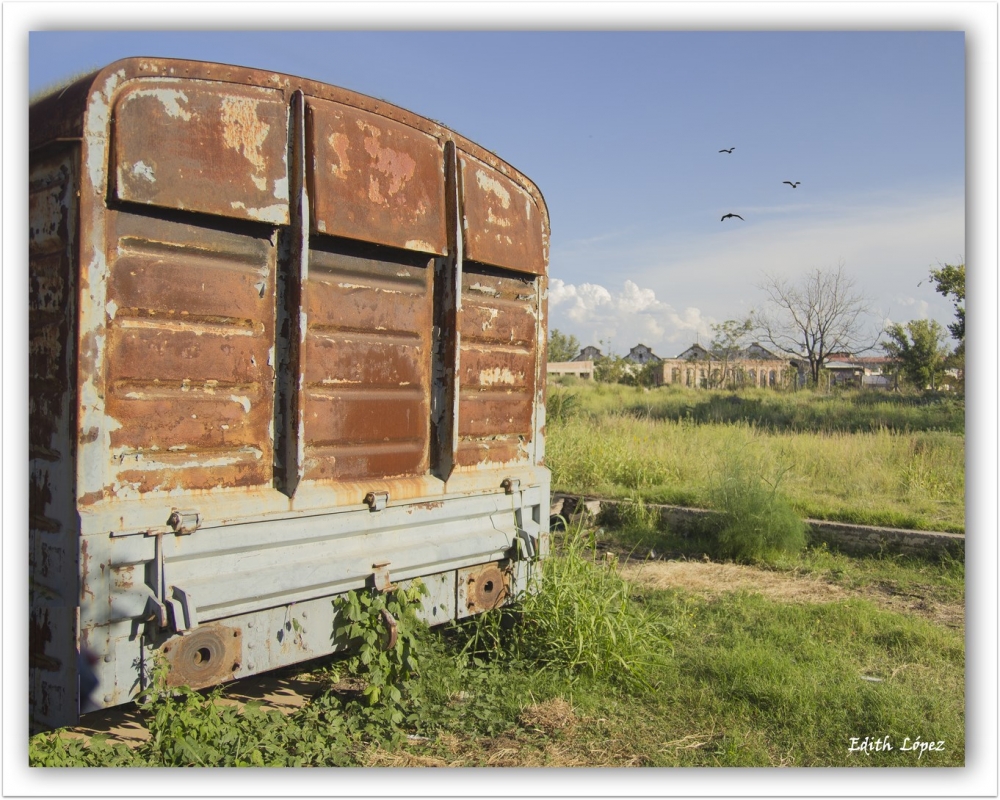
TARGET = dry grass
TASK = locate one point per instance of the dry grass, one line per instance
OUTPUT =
(713, 579)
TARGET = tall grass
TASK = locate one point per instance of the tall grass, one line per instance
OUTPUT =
(880, 476)
(582, 622)
(849, 411)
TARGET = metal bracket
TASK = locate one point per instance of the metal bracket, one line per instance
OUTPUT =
(156, 611)
(183, 611)
(510, 485)
(376, 501)
(184, 522)
(380, 577)
(527, 543)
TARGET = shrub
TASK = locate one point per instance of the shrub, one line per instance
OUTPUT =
(757, 522)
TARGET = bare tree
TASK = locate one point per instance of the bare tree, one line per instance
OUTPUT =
(822, 314)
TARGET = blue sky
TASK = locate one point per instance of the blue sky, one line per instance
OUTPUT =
(621, 131)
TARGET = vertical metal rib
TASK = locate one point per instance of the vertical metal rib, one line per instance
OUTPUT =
(447, 311)
(293, 275)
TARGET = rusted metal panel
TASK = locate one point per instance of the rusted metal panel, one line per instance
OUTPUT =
(366, 386)
(504, 225)
(198, 146)
(375, 179)
(190, 341)
(498, 366)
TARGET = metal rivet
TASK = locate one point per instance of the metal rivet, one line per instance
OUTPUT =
(108, 698)
(108, 658)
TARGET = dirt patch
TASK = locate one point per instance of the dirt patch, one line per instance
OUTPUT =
(712, 579)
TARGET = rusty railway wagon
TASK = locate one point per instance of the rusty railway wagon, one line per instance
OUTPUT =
(286, 341)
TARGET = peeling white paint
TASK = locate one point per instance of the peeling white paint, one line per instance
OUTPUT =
(478, 287)
(142, 170)
(169, 98)
(111, 308)
(277, 213)
(242, 400)
(494, 313)
(490, 184)
(493, 219)
(281, 188)
(498, 375)
(418, 244)
(243, 130)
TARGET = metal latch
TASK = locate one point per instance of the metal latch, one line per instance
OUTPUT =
(510, 485)
(184, 522)
(182, 610)
(376, 500)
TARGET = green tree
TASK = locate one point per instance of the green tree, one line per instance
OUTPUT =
(918, 351)
(562, 347)
(730, 337)
(610, 369)
(949, 280)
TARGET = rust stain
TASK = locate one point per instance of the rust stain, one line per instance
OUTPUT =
(85, 570)
(395, 165)
(500, 229)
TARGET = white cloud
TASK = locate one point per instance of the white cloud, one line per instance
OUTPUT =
(621, 319)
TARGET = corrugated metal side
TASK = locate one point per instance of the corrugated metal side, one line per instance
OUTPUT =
(368, 356)
(53, 586)
(498, 366)
(190, 343)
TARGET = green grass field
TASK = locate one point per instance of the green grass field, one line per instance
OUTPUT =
(907, 471)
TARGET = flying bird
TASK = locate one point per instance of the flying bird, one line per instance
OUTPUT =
(727, 216)
(793, 185)
(728, 151)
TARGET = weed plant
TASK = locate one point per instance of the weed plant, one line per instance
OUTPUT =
(756, 523)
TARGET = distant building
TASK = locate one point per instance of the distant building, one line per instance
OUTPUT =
(589, 353)
(702, 368)
(578, 369)
(642, 355)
